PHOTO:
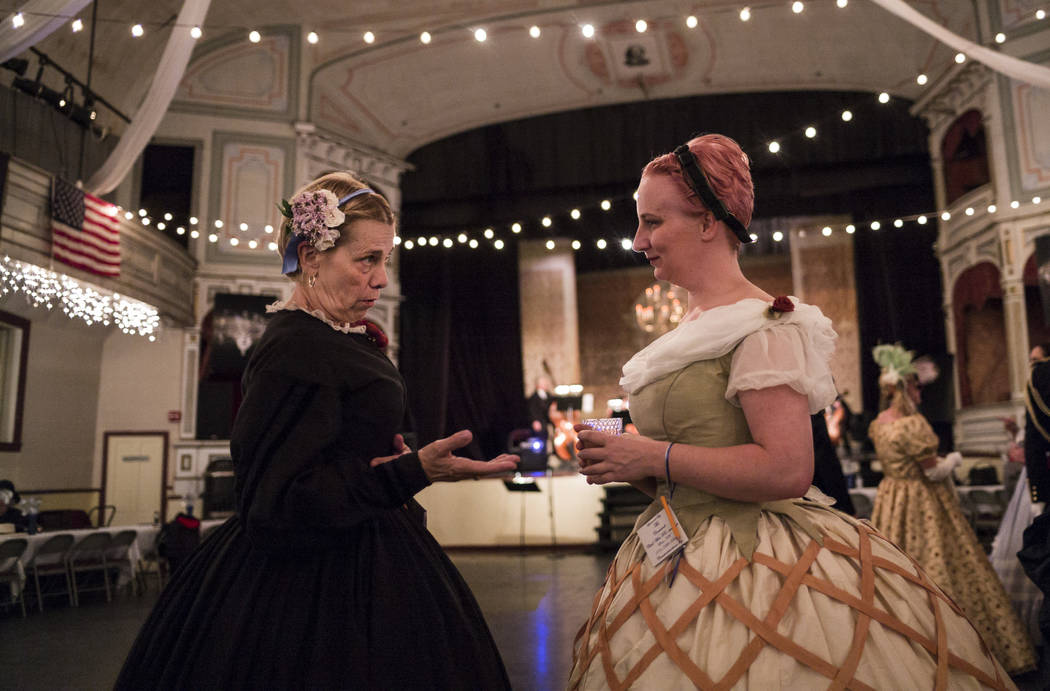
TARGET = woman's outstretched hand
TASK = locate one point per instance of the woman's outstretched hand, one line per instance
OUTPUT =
(613, 458)
(441, 465)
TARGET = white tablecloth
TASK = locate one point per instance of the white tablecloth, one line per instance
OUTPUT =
(961, 489)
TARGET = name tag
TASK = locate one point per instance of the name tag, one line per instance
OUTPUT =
(662, 535)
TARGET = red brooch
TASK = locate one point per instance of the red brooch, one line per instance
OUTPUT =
(781, 304)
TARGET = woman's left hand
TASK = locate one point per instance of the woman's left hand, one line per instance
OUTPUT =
(616, 458)
(399, 446)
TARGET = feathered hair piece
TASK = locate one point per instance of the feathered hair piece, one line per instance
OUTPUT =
(896, 363)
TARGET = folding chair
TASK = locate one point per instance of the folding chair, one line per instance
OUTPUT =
(50, 560)
(118, 555)
(105, 515)
(10, 552)
(151, 562)
(89, 555)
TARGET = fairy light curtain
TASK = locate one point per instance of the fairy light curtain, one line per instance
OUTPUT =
(155, 104)
(1022, 70)
(41, 17)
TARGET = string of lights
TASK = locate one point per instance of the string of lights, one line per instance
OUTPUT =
(371, 40)
(45, 288)
(219, 230)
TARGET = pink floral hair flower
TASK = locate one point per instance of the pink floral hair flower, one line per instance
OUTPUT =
(316, 216)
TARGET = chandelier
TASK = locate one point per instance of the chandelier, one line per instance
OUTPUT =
(659, 307)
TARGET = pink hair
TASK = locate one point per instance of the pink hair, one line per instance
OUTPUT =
(726, 167)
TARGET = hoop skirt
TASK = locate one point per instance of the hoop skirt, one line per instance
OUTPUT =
(325, 578)
(925, 519)
(779, 595)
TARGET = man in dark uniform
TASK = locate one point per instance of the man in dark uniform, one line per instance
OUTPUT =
(1035, 554)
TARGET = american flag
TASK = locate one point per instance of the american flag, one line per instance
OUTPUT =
(84, 230)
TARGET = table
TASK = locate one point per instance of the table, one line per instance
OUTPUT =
(144, 542)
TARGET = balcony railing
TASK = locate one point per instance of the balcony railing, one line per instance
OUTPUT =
(153, 268)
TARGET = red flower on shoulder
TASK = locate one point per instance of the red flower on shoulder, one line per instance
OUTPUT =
(375, 333)
(781, 304)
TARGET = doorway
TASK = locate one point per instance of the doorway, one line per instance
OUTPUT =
(134, 469)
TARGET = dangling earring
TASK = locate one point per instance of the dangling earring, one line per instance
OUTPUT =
(310, 281)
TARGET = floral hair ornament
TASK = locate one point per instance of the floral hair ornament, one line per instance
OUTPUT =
(895, 361)
(315, 217)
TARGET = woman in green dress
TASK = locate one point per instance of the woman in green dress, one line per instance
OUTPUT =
(770, 587)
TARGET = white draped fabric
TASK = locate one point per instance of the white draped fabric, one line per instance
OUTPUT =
(155, 104)
(42, 17)
(1021, 70)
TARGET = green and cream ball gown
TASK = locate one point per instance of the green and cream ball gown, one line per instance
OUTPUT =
(787, 594)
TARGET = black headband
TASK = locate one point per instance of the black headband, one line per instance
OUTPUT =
(694, 175)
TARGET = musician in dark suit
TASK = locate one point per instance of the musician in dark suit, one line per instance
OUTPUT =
(540, 406)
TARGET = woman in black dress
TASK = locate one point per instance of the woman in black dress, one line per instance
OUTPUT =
(325, 577)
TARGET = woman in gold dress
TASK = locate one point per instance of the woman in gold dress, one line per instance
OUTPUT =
(772, 588)
(917, 507)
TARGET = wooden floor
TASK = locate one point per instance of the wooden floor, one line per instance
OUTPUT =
(534, 604)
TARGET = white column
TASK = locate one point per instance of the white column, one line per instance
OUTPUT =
(549, 326)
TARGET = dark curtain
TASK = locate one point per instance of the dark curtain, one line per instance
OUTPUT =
(460, 349)
(900, 298)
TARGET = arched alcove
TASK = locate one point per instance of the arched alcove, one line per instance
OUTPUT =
(964, 151)
(980, 336)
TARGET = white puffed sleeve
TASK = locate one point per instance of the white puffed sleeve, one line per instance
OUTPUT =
(785, 354)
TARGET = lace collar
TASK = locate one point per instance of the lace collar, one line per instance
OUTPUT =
(289, 306)
(715, 332)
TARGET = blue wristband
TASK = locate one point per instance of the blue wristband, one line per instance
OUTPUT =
(667, 471)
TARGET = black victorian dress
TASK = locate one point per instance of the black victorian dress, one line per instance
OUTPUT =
(324, 578)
